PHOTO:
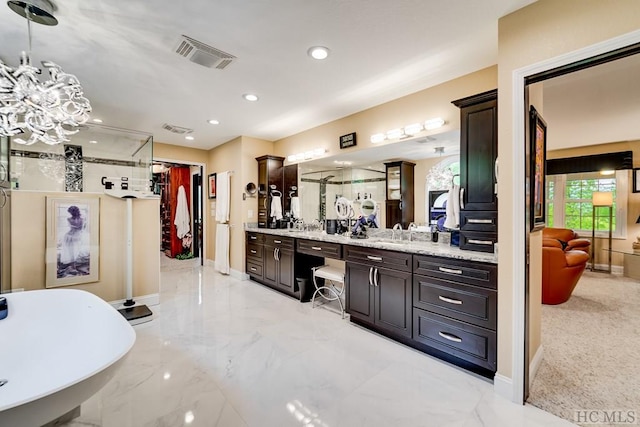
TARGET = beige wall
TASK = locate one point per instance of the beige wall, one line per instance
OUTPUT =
(28, 214)
(543, 30)
(418, 107)
(177, 152)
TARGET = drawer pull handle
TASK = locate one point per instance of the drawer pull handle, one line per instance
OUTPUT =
(253, 251)
(374, 258)
(480, 242)
(262, 213)
(450, 337)
(316, 248)
(254, 269)
(449, 300)
(449, 270)
(253, 237)
(277, 241)
(479, 221)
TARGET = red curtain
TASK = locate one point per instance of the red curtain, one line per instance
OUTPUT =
(178, 176)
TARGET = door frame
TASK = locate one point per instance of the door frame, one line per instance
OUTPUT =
(203, 169)
(520, 240)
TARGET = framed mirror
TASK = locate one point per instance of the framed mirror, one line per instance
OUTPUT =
(368, 207)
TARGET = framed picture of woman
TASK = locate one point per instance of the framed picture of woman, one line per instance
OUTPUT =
(212, 186)
(72, 245)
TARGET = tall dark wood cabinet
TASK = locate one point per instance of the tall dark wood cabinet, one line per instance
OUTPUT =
(399, 198)
(478, 154)
(270, 179)
(290, 185)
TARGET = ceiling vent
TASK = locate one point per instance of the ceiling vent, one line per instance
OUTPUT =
(176, 129)
(203, 54)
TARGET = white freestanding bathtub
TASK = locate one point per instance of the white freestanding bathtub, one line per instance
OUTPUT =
(58, 347)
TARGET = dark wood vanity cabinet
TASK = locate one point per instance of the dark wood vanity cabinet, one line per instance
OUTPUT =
(270, 177)
(399, 203)
(455, 308)
(478, 170)
(379, 289)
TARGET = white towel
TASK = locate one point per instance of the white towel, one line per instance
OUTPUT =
(276, 207)
(181, 220)
(222, 249)
(452, 220)
(295, 207)
(222, 197)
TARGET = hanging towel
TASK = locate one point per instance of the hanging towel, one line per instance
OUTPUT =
(295, 207)
(222, 198)
(453, 208)
(222, 248)
(181, 221)
(276, 207)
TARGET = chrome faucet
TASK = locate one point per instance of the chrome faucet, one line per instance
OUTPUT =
(397, 227)
(412, 228)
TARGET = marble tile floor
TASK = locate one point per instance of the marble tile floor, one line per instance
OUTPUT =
(224, 352)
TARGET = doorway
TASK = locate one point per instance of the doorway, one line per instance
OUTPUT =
(532, 75)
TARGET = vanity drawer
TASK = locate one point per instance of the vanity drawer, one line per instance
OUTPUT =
(321, 249)
(468, 342)
(470, 304)
(459, 271)
(281, 242)
(479, 221)
(253, 237)
(379, 257)
(255, 251)
(477, 241)
(254, 270)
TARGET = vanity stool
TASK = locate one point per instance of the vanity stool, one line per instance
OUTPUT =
(331, 276)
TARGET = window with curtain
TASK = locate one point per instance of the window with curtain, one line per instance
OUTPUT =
(569, 202)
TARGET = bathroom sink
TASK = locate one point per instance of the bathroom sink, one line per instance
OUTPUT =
(391, 242)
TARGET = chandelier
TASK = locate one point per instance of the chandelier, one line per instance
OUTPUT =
(42, 111)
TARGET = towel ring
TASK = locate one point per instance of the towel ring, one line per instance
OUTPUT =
(276, 193)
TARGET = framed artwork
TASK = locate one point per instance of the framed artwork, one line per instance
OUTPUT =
(636, 180)
(538, 150)
(72, 255)
(212, 186)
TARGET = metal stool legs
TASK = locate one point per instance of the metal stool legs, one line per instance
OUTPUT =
(334, 292)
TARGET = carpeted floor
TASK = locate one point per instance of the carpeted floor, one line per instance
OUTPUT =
(591, 349)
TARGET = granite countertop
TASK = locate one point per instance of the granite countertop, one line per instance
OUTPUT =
(381, 240)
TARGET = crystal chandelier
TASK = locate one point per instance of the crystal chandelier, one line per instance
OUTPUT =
(43, 111)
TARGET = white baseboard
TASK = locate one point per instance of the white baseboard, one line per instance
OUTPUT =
(535, 365)
(151, 299)
(503, 386)
(618, 270)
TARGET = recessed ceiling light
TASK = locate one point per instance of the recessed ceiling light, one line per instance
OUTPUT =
(97, 120)
(213, 122)
(250, 97)
(189, 137)
(93, 142)
(318, 52)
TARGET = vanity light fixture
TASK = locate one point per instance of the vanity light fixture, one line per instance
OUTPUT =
(319, 152)
(300, 156)
(434, 123)
(607, 172)
(189, 138)
(318, 52)
(250, 97)
(413, 129)
(291, 158)
(213, 122)
(378, 137)
(395, 133)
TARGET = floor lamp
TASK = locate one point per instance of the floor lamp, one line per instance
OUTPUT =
(601, 199)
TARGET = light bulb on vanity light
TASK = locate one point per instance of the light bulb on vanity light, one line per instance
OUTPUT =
(378, 137)
(434, 123)
(413, 129)
(395, 133)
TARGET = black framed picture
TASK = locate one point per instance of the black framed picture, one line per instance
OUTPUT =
(212, 186)
(537, 181)
(636, 180)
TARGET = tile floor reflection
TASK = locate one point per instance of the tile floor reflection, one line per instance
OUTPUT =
(224, 352)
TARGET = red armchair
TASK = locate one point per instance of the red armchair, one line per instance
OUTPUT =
(561, 269)
(567, 237)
